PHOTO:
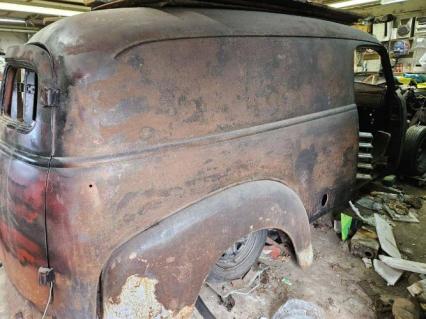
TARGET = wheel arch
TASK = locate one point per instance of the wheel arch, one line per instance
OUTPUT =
(161, 270)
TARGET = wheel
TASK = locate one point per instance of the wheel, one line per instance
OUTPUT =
(237, 260)
(413, 161)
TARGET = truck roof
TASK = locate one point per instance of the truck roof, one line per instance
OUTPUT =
(94, 32)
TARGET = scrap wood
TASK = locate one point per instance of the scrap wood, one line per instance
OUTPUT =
(417, 288)
(386, 238)
(404, 308)
(402, 264)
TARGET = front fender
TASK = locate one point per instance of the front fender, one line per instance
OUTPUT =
(161, 270)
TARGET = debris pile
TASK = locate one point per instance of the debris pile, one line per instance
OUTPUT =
(375, 243)
(399, 207)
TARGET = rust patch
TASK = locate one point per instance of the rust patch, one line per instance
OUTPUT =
(138, 300)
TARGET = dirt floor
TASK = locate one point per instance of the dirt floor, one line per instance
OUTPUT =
(337, 282)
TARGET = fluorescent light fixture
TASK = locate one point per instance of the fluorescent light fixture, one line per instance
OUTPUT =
(350, 3)
(7, 6)
(23, 30)
(8, 20)
(383, 2)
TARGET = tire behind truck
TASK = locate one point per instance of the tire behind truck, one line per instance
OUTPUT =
(413, 161)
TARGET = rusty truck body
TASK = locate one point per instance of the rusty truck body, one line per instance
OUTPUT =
(133, 156)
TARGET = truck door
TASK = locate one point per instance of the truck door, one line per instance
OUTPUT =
(382, 114)
(25, 152)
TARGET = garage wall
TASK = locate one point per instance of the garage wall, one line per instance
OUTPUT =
(8, 38)
(401, 10)
(405, 9)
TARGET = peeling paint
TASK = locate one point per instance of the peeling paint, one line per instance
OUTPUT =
(138, 300)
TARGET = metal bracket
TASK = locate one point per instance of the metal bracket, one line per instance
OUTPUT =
(30, 89)
(46, 276)
(50, 97)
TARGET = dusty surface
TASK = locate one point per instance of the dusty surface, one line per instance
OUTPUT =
(337, 282)
(411, 238)
(332, 283)
(2, 294)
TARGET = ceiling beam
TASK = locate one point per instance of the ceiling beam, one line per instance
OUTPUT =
(73, 1)
(401, 9)
(16, 29)
(27, 4)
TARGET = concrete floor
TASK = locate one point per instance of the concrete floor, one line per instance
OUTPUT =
(337, 282)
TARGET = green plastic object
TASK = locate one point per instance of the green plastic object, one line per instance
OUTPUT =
(345, 221)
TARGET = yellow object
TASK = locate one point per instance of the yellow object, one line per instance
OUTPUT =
(421, 85)
(406, 81)
(362, 27)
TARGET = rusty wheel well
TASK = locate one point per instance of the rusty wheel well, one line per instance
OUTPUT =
(172, 270)
(284, 237)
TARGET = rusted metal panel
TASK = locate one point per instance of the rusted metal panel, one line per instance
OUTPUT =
(170, 261)
(119, 199)
(23, 174)
(78, 38)
(34, 147)
(172, 91)
(169, 110)
(22, 226)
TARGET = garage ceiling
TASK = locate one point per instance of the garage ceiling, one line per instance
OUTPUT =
(30, 15)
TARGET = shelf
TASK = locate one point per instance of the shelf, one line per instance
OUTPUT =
(394, 40)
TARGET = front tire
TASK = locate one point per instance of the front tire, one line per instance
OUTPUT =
(237, 260)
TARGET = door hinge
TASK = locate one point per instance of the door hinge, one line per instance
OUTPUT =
(50, 97)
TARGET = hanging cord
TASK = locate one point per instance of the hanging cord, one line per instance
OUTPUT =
(48, 300)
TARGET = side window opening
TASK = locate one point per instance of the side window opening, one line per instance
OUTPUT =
(370, 89)
(19, 100)
(368, 67)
